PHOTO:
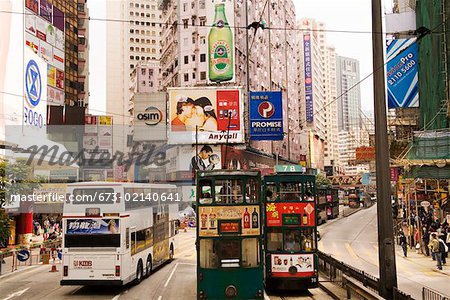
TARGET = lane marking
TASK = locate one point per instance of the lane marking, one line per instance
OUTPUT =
(266, 297)
(116, 297)
(350, 250)
(16, 294)
(170, 277)
(160, 297)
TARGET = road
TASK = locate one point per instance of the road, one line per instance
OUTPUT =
(353, 240)
(176, 280)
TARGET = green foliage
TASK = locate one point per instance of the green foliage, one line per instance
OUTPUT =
(15, 178)
(322, 180)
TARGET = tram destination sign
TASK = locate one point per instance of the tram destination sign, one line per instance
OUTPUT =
(289, 169)
(292, 219)
(229, 226)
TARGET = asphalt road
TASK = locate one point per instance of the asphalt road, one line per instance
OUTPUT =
(176, 280)
(354, 240)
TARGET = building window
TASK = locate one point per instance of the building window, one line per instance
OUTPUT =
(185, 5)
(185, 23)
(143, 71)
(193, 57)
(193, 22)
(202, 75)
(131, 57)
(186, 59)
(202, 21)
(202, 40)
(193, 39)
(186, 77)
(193, 75)
(131, 30)
(202, 57)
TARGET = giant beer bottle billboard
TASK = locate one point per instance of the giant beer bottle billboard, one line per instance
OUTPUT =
(220, 18)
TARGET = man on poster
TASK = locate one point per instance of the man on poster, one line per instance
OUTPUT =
(204, 160)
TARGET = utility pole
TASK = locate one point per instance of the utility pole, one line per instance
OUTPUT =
(386, 250)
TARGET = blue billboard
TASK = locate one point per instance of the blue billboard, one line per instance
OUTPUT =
(402, 73)
(266, 116)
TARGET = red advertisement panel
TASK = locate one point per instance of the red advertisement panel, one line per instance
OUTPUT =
(228, 110)
(276, 213)
(292, 265)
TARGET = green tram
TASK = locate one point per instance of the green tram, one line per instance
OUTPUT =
(290, 231)
(229, 235)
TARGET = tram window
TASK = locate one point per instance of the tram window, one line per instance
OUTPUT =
(274, 239)
(205, 192)
(292, 240)
(208, 254)
(271, 191)
(251, 191)
(290, 191)
(250, 253)
(229, 191)
(307, 239)
(229, 254)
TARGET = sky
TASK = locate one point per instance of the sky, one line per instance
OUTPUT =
(345, 15)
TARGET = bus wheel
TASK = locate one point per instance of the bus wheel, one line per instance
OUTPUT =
(148, 266)
(139, 272)
(171, 252)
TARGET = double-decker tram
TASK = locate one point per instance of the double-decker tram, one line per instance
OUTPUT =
(229, 235)
(290, 230)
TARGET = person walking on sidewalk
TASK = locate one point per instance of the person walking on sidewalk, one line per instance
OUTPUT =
(443, 249)
(403, 243)
(434, 247)
(426, 240)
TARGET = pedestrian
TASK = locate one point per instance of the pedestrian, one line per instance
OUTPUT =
(426, 240)
(403, 243)
(443, 249)
(434, 247)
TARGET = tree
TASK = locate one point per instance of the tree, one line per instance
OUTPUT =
(322, 180)
(16, 178)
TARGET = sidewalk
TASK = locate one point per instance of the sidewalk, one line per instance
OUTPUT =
(424, 262)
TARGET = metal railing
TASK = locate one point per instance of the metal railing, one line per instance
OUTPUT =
(429, 294)
(340, 273)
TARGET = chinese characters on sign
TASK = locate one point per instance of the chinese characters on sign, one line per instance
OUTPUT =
(308, 78)
(266, 116)
(279, 214)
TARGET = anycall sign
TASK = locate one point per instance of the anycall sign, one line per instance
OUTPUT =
(277, 212)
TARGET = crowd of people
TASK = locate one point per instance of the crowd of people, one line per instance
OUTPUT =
(427, 234)
(49, 228)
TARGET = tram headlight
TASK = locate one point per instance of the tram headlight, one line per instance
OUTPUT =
(200, 276)
(231, 291)
(259, 294)
(292, 270)
(201, 295)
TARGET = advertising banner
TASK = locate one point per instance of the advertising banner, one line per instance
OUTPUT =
(150, 117)
(266, 116)
(220, 20)
(281, 265)
(222, 220)
(189, 158)
(308, 78)
(55, 96)
(296, 213)
(92, 226)
(205, 116)
(402, 73)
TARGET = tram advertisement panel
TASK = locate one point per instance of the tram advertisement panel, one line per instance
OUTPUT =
(283, 265)
(285, 214)
(222, 220)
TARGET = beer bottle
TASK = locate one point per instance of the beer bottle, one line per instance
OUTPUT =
(220, 47)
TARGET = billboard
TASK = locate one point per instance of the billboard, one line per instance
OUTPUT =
(365, 154)
(266, 116)
(189, 158)
(308, 78)
(44, 34)
(220, 20)
(222, 220)
(205, 116)
(150, 117)
(402, 73)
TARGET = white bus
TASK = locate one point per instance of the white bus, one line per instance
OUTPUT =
(115, 233)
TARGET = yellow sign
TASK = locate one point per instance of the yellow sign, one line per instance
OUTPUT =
(211, 218)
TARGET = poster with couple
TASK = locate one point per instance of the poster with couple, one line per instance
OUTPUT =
(205, 116)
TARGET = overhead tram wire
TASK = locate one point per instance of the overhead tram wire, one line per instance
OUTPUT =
(210, 26)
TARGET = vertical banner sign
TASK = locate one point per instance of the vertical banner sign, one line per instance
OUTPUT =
(308, 78)
(402, 73)
(220, 18)
(266, 116)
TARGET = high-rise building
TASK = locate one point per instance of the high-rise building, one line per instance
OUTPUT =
(349, 102)
(83, 52)
(317, 92)
(184, 58)
(129, 43)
